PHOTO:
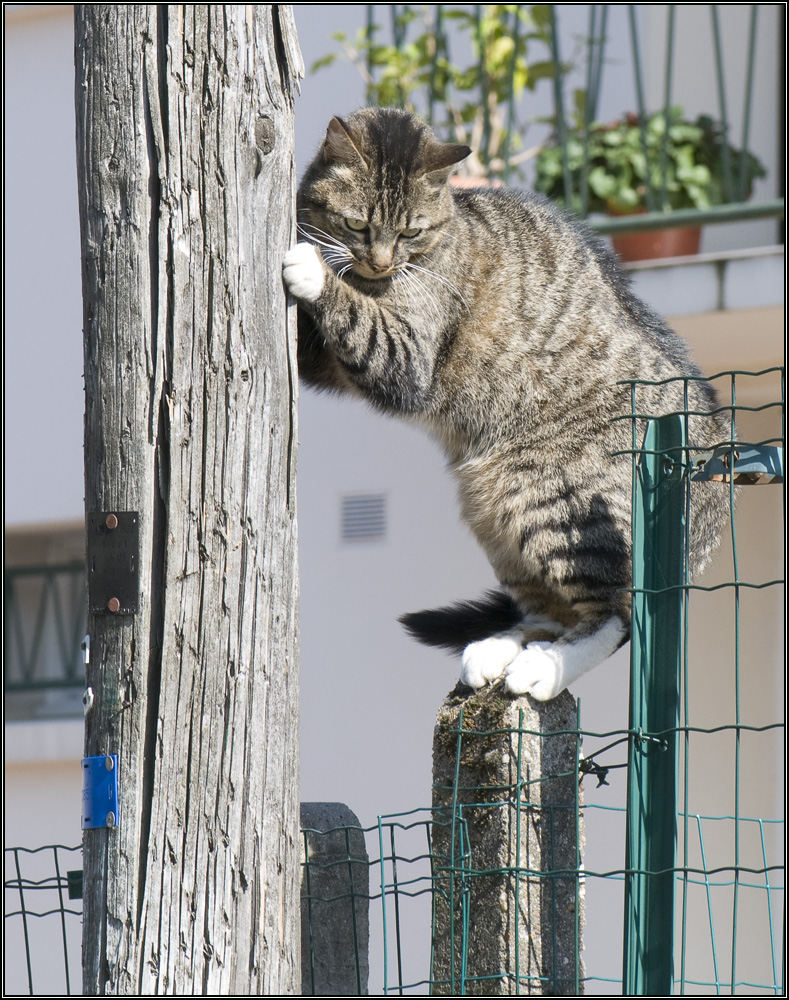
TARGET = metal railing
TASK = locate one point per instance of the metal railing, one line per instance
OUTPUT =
(45, 614)
(406, 58)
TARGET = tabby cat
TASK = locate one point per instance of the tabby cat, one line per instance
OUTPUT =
(504, 329)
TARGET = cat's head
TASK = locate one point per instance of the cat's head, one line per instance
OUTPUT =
(376, 196)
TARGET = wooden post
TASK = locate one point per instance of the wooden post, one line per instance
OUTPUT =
(186, 188)
(506, 842)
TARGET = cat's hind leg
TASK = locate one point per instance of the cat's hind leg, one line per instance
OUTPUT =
(487, 660)
(544, 669)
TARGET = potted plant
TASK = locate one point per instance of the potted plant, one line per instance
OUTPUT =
(473, 102)
(668, 163)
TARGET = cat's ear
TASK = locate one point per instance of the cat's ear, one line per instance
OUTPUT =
(439, 159)
(339, 147)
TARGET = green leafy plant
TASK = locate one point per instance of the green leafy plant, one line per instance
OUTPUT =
(474, 102)
(682, 163)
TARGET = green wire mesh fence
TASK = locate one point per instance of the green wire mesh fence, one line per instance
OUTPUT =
(705, 725)
(43, 921)
(691, 854)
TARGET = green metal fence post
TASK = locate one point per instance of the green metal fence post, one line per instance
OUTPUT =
(659, 505)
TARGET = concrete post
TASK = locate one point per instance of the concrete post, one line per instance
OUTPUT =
(335, 890)
(506, 843)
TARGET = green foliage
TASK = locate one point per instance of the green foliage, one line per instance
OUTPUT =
(472, 102)
(683, 164)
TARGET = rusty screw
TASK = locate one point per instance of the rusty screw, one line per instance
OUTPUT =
(113, 604)
(111, 521)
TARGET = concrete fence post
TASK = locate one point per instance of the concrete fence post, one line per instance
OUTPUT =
(335, 890)
(506, 844)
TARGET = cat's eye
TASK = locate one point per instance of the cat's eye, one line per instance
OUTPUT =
(357, 225)
(410, 233)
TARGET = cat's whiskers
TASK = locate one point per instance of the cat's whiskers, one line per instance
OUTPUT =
(417, 296)
(415, 290)
(314, 233)
(335, 253)
(344, 270)
(401, 285)
(410, 267)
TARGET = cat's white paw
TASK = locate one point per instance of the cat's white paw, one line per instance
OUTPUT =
(303, 272)
(486, 660)
(536, 671)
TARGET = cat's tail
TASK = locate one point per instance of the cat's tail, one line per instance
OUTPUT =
(467, 621)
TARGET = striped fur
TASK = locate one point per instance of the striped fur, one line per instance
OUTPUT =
(503, 328)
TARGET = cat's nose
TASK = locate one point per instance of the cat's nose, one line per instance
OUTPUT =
(380, 260)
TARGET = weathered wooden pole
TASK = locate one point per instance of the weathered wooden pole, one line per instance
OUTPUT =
(186, 185)
(506, 846)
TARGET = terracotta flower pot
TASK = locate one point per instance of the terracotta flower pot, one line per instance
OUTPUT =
(678, 241)
(681, 241)
(474, 182)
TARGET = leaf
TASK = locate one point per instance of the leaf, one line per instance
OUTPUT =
(575, 150)
(541, 14)
(500, 51)
(541, 71)
(639, 162)
(602, 183)
(684, 133)
(323, 63)
(459, 15)
(698, 175)
(628, 198)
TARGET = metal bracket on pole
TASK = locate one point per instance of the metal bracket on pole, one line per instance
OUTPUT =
(749, 464)
(99, 791)
(113, 562)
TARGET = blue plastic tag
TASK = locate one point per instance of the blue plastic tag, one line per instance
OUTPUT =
(99, 791)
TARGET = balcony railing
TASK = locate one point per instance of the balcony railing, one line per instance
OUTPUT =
(45, 614)
(467, 68)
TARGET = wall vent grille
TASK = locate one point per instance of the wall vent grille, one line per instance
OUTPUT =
(363, 516)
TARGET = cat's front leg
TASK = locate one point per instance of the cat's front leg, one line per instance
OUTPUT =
(487, 660)
(545, 669)
(304, 272)
(370, 337)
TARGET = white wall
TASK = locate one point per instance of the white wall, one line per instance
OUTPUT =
(43, 305)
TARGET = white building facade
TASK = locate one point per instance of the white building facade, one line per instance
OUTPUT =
(369, 695)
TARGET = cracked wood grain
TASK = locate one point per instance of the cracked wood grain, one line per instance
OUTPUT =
(186, 182)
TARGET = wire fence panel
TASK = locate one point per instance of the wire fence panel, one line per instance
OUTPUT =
(718, 867)
(717, 854)
(43, 924)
